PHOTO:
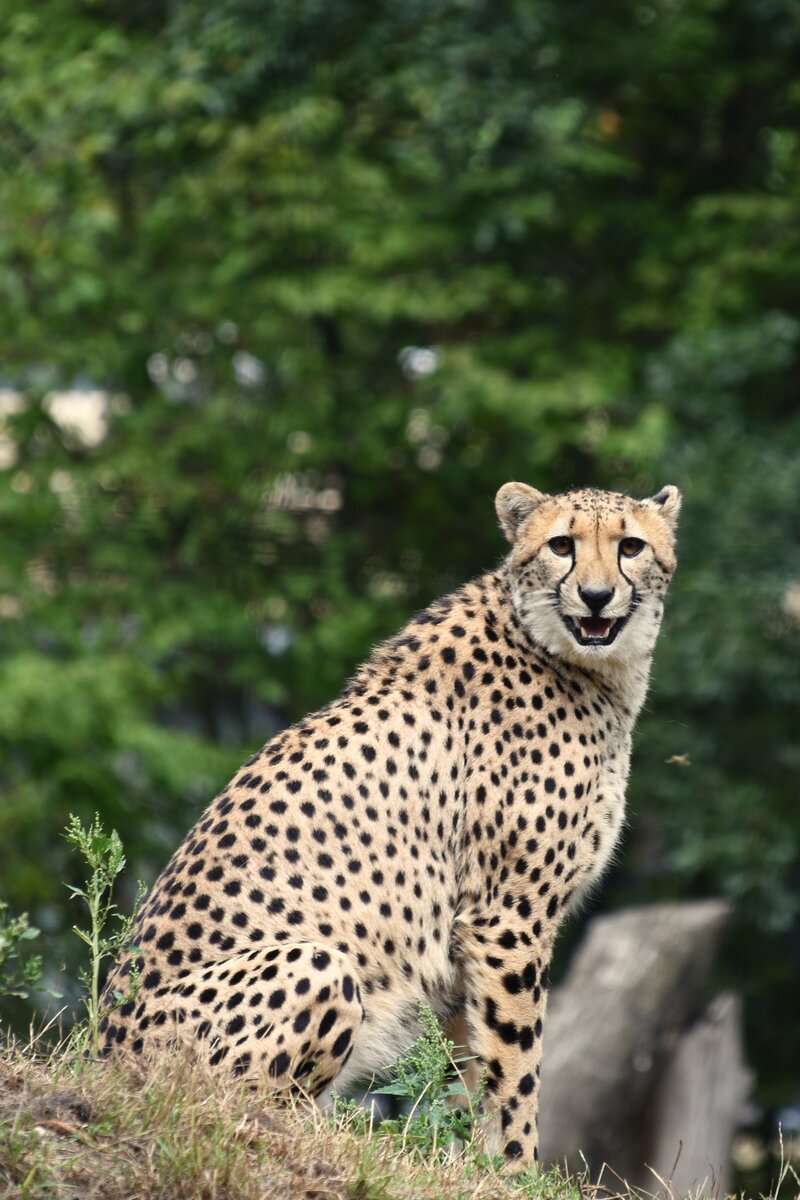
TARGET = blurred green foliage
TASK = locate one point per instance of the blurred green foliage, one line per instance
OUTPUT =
(289, 290)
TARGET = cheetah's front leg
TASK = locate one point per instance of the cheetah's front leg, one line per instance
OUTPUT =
(506, 994)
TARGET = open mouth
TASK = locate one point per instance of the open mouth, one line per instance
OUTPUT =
(595, 627)
(594, 631)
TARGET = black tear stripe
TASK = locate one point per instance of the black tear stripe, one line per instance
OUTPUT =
(628, 580)
(564, 579)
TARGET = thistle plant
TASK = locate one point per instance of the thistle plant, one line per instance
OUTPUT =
(109, 930)
(442, 1112)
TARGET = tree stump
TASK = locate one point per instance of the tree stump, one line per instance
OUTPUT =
(617, 1086)
(698, 1102)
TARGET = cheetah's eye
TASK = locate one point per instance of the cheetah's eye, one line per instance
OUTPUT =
(562, 546)
(630, 547)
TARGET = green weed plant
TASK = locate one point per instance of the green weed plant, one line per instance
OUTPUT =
(20, 971)
(109, 930)
(439, 1114)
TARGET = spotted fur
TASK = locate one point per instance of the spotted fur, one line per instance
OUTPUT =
(421, 837)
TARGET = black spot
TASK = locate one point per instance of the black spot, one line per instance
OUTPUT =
(341, 1043)
(327, 1022)
(279, 1064)
(301, 1020)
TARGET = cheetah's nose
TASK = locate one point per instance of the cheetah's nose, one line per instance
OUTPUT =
(595, 599)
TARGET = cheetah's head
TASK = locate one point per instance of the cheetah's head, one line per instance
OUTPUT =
(589, 569)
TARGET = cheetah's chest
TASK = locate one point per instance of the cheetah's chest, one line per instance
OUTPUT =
(605, 816)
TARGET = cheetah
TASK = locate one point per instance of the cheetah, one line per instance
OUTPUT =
(422, 837)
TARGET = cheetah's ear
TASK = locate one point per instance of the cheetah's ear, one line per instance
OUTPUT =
(514, 504)
(668, 503)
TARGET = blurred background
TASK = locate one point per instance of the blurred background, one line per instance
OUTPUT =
(288, 291)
